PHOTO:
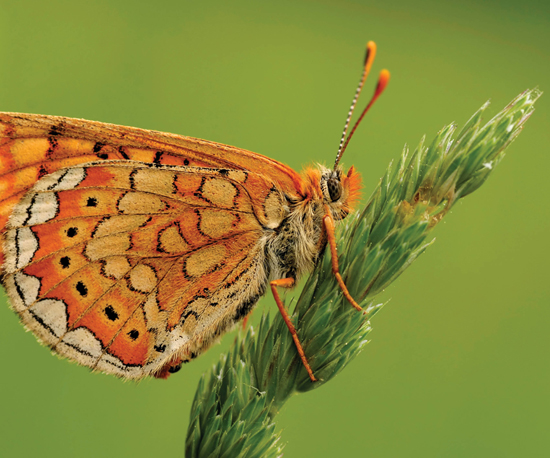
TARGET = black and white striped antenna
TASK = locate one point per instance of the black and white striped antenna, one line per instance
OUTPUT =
(382, 83)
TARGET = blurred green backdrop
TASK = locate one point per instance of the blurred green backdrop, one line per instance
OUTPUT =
(458, 365)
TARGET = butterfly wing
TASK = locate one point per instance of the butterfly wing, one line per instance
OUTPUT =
(125, 267)
(32, 146)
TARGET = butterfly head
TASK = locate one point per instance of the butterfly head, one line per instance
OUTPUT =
(340, 191)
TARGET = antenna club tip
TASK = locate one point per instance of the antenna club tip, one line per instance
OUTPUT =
(383, 80)
(369, 55)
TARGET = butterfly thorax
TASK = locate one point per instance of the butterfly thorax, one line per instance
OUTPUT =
(293, 248)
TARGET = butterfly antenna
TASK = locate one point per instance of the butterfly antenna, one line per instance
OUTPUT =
(383, 80)
(369, 59)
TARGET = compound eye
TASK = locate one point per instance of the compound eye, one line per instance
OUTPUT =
(334, 189)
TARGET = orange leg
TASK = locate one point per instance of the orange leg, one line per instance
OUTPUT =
(329, 227)
(288, 283)
(245, 320)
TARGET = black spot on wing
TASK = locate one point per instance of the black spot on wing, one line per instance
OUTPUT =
(53, 145)
(42, 172)
(82, 289)
(57, 130)
(160, 348)
(98, 146)
(157, 158)
(91, 202)
(122, 151)
(72, 231)
(111, 313)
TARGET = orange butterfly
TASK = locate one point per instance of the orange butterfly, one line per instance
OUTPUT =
(130, 251)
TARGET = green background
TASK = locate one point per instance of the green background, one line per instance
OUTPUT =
(458, 365)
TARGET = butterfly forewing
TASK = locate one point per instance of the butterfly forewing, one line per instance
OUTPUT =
(123, 266)
(33, 146)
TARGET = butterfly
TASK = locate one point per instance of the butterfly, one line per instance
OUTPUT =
(131, 251)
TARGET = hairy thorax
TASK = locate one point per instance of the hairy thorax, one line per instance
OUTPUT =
(296, 238)
(292, 248)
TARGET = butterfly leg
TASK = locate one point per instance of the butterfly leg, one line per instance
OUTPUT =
(245, 320)
(329, 228)
(288, 283)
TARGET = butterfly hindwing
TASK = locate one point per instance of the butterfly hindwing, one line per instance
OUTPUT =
(123, 266)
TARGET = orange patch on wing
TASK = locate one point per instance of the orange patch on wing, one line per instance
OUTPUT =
(29, 153)
(18, 181)
(101, 176)
(81, 291)
(108, 313)
(132, 343)
(72, 147)
(75, 203)
(56, 235)
(55, 268)
(20, 153)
